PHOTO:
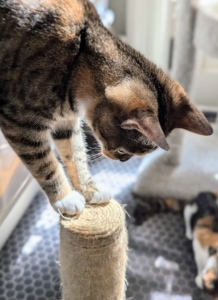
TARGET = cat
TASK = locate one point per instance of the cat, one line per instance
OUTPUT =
(59, 64)
(201, 227)
(201, 221)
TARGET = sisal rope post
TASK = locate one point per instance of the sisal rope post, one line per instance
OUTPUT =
(93, 254)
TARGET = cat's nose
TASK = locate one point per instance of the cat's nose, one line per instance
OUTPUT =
(124, 158)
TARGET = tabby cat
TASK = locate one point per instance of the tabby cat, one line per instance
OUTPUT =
(58, 64)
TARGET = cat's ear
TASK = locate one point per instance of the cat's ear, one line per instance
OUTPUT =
(148, 126)
(192, 119)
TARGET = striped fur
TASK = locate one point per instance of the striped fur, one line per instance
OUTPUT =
(58, 65)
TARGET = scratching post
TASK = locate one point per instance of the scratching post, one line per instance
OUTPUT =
(93, 254)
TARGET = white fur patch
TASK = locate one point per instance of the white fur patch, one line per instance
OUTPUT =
(71, 204)
(211, 264)
(199, 281)
(189, 210)
(102, 195)
(201, 256)
(83, 106)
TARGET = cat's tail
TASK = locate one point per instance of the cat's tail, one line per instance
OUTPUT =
(148, 206)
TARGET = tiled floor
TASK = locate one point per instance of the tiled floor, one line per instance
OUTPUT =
(160, 266)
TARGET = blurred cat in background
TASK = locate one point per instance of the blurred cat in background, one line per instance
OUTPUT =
(201, 221)
(201, 227)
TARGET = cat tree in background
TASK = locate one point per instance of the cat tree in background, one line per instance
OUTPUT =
(190, 165)
(93, 255)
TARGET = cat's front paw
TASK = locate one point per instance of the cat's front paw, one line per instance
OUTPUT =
(71, 204)
(101, 195)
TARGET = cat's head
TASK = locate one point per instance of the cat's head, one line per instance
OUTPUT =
(132, 119)
(130, 104)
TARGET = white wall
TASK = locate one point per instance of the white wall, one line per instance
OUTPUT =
(148, 28)
(205, 81)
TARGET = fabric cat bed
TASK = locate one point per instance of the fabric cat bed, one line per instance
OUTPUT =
(93, 254)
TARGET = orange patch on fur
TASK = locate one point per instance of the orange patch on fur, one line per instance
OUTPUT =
(72, 171)
(177, 92)
(216, 194)
(172, 204)
(204, 233)
(64, 149)
(76, 9)
(209, 278)
(207, 221)
(70, 13)
(107, 154)
(68, 10)
(206, 237)
(131, 95)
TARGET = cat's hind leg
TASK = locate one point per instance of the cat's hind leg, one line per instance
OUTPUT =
(69, 140)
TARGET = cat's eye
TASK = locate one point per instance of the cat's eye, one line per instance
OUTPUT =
(120, 152)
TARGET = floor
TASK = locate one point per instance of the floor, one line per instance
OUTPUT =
(160, 266)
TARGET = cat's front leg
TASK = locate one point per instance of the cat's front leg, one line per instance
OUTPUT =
(34, 149)
(68, 138)
(100, 195)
